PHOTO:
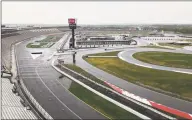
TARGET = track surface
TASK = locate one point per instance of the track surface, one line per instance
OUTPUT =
(42, 82)
(135, 89)
(6, 43)
(127, 56)
(54, 97)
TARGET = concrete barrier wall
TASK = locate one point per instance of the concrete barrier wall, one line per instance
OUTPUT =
(124, 100)
(102, 95)
(31, 98)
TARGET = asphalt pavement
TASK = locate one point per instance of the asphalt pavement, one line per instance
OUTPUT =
(130, 87)
(8, 41)
(42, 82)
(127, 56)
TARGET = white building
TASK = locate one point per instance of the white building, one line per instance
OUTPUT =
(164, 38)
(119, 36)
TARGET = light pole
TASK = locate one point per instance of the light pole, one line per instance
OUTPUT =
(72, 26)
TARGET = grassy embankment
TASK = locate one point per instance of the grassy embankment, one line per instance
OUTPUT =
(84, 73)
(100, 104)
(114, 53)
(177, 83)
(105, 107)
(173, 45)
(153, 46)
(177, 60)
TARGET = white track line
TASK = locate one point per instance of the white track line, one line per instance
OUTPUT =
(103, 96)
(55, 95)
(120, 56)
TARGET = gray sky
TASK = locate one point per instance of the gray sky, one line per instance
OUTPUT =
(96, 12)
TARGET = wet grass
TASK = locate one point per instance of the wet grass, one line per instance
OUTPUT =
(30, 45)
(84, 73)
(177, 83)
(45, 43)
(155, 47)
(107, 108)
(177, 60)
(107, 53)
(173, 45)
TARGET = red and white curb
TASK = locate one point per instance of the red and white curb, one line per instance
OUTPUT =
(151, 103)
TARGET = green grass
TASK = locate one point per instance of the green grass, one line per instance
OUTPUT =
(142, 33)
(155, 47)
(188, 40)
(177, 83)
(100, 104)
(178, 60)
(84, 73)
(172, 45)
(49, 39)
(107, 54)
(30, 45)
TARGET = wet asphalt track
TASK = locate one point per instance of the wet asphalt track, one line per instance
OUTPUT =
(130, 87)
(127, 56)
(41, 85)
(42, 82)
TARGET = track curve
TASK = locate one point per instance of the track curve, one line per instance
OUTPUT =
(127, 56)
(42, 82)
(133, 88)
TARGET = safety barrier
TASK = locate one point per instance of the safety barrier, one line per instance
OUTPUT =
(151, 103)
(64, 42)
(154, 111)
(143, 109)
(102, 95)
(35, 103)
(27, 93)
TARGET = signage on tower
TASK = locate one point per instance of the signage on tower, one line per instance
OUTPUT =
(72, 23)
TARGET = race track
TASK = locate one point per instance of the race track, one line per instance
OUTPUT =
(127, 56)
(133, 88)
(43, 83)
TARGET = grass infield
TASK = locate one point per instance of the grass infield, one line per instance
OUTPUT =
(107, 108)
(177, 60)
(178, 83)
(45, 43)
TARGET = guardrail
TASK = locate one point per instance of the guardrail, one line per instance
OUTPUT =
(64, 42)
(35, 103)
(22, 86)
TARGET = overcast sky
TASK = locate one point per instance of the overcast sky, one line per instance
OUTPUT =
(96, 12)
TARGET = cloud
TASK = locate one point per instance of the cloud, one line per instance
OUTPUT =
(96, 12)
